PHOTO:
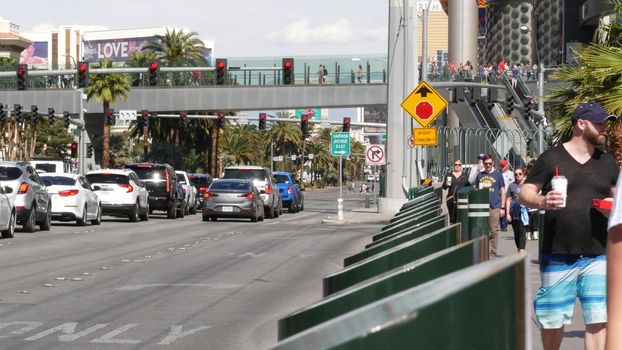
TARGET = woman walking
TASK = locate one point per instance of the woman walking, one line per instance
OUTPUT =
(454, 182)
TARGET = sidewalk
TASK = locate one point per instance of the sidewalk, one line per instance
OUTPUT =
(574, 333)
(360, 216)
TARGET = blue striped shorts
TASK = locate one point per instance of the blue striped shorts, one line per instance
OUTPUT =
(566, 278)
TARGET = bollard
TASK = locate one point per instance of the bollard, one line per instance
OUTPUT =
(340, 209)
(366, 200)
(479, 209)
(463, 211)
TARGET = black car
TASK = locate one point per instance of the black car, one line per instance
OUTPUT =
(201, 182)
(161, 183)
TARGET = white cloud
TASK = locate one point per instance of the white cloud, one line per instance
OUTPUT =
(300, 32)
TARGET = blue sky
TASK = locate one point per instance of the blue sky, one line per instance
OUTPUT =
(238, 27)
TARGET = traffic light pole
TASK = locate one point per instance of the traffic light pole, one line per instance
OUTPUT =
(81, 139)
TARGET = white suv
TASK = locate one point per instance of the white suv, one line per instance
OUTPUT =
(121, 193)
(191, 192)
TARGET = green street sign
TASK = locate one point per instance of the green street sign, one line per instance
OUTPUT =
(340, 144)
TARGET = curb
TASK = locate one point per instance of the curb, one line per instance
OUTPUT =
(344, 222)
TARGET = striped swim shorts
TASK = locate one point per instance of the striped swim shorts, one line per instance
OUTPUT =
(566, 278)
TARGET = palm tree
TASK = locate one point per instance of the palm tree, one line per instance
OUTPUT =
(139, 60)
(107, 88)
(178, 49)
(240, 143)
(286, 137)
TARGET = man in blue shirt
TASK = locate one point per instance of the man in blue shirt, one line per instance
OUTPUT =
(493, 181)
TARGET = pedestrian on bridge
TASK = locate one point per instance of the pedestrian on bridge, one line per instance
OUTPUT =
(455, 180)
(493, 181)
(359, 74)
(574, 241)
(320, 75)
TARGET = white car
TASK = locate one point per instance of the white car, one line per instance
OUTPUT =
(73, 198)
(121, 193)
(191, 192)
(51, 166)
(7, 213)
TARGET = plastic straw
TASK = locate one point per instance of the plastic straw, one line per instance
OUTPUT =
(556, 171)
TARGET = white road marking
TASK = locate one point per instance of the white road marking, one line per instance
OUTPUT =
(251, 254)
(176, 333)
(108, 338)
(69, 332)
(28, 326)
(133, 287)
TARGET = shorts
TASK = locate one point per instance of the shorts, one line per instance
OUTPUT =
(566, 278)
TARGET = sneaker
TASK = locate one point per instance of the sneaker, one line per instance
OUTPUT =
(535, 235)
(529, 236)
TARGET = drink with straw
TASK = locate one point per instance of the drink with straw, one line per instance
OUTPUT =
(560, 183)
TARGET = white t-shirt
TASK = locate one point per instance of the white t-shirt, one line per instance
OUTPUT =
(615, 218)
(508, 177)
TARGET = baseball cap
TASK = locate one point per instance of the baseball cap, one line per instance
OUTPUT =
(591, 111)
(504, 163)
(481, 156)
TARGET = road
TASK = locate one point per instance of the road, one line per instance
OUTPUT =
(169, 284)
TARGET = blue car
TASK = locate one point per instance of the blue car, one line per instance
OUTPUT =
(290, 191)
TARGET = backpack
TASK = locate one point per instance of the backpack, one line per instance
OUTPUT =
(325, 71)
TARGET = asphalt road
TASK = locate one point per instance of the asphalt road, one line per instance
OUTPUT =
(169, 284)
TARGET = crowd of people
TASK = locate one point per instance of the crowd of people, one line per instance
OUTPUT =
(581, 240)
(487, 72)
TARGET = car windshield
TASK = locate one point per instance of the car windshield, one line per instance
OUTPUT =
(59, 180)
(106, 178)
(253, 174)
(200, 181)
(230, 186)
(281, 179)
(47, 167)
(8, 173)
(149, 173)
(180, 178)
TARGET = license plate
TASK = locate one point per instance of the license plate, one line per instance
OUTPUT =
(227, 209)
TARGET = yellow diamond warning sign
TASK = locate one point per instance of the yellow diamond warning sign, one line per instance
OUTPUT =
(424, 104)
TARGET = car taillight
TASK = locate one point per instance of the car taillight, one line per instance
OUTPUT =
(209, 195)
(68, 193)
(268, 189)
(23, 188)
(289, 189)
(247, 195)
(168, 181)
(129, 187)
(202, 189)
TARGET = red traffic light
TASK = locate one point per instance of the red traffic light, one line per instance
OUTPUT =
(220, 64)
(74, 145)
(346, 120)
(287, 64)
(82, 67)
(182, 115)
(21, 70)
(262, 116)
(304, 118)
(153, 65)
(145, 114)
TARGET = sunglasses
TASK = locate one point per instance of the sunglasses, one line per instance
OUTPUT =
(516, 174)
(487, 163)
(458, 164)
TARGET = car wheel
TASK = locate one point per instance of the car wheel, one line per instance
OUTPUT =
(194, 208)
(302, 207)
(181, 212)
(82, 221)
(145, 216)
(134, 213)
(187, 209)
(171, 213)
(291, 207)
(98, 218)
(213, 218)
(206, 218)
(46, 225)
(277, 213)
(254, 218)
(30, 222)
(262, 217)
(10, 231)
(271, 213)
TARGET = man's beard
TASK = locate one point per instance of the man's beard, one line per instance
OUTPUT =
(595, 138)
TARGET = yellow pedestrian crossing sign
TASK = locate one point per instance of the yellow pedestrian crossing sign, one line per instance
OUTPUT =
(424, 104)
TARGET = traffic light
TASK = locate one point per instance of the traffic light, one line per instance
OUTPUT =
(2, 114)
(346, 124)
(288, 71)
(221, 70)
(51, 116)
(89, 151)
(154, 71)
(262, 121)
(74, 150)
(221, 120)
(110, 116)
(17, 109)
(66, 119)
(22, 76)
(143, 118)
(183, 122)
(304, 119)
(34, 114)
(527, 109)
(509, 104)
(83, 74)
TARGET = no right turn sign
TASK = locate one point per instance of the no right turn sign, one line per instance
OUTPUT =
(374, 155)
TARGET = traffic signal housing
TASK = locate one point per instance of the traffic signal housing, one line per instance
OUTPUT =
(154, 71)
(2, 114)
(288, 71)
(509, 104)
(221, 70)
(89, 150)
(66, 120)
(83, 74)
(110, 117)
(304, 129)
(17, 109)
(74, 150)
(527, 109)
(346, 124)
(143, 118)
(51, 116)
(262, 121)
(34, 114)
(22, 76)
(221, 120)
(182, 119)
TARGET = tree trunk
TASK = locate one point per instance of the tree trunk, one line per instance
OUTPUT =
(145, 141)
(106, 138)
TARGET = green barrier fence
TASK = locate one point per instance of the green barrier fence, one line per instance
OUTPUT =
(392, 258)
(424, 219)
(416, 192)
(394, 241)
(414, 209)
(479, 209)
(482, 307)
(463, 210)
(430, 213)
(435, 203)
(386, 284)
(417, 201)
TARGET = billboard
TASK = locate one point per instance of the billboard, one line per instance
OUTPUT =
(375, 114)
(316, 113)
(35, 55)
(116, 50)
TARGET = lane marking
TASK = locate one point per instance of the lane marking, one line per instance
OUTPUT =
(108, 338)
(252, 255)
(176, 333)
(133, 287)
(68, 331)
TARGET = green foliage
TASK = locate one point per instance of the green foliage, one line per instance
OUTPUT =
(52, 142)
(166, 152)
(108, 87)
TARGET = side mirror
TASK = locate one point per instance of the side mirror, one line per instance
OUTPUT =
(8, 189)
(47, 183)
(96, 188)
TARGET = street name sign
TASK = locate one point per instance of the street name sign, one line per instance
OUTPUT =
(424, 137)
(340, 144)
(424, 104)
(374, 155)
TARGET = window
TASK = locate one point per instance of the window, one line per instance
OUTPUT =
(8, 173)
(231, 186)
(60, 180)
(105, 178)
(252, 174)
(281, 179)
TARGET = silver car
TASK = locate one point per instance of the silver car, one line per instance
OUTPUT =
(263, 180)
(232, 198)
(7, 213)
(30, 197)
